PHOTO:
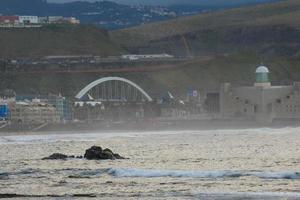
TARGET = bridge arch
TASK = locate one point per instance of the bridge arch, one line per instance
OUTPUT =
(90, 86)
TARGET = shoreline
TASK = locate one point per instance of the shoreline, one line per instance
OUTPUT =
(129, 133)
(179, 125)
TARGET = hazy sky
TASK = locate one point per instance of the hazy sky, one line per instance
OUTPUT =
(168, 2)
(160, 2)
(137, 1)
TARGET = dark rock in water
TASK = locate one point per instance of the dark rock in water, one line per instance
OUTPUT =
(108, 155)
(93, 153)
(56, 156)
(96, 153)
(107, 150)
(117, 156)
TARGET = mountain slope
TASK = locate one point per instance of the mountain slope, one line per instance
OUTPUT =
(108, 14)
(259, 27)
(56, 40)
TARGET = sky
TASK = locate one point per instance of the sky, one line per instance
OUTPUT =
(168, 2)
(160, 2)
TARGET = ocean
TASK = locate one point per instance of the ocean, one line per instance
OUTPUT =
(259, 163)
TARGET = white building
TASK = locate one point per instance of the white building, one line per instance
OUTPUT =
(28, 19)
(146, 56)
(72, 20)
(261, 102)
(33, 113)
(54, 19)
(43, 20)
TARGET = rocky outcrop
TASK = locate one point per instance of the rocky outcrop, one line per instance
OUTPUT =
(56, 156)
(93, 153)
(96, 153)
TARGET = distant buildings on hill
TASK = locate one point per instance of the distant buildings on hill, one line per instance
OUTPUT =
(146, 56)
(19, 21)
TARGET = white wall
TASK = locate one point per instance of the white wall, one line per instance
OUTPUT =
(30, 19)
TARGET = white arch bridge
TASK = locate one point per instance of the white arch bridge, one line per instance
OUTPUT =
(114, 89)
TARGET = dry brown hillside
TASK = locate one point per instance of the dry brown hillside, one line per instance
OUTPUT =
(262, 25)
(55, 40)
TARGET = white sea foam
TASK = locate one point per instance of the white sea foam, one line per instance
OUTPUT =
(90, 136)
(171, 173)
(251, 195)
(122, 172)
(85, 136)
(276, 175)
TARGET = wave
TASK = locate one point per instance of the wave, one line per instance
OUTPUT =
(75, 136)
(276, 175)
(122, 172)
(249, 195)
(91, 136)
(152, 173)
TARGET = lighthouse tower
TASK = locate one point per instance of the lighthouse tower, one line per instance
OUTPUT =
(262, 77)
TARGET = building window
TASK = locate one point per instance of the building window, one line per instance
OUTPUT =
(278, 100)
(255, 109)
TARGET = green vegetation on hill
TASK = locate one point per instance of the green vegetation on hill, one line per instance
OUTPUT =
(268, 34)
(55, 40)
(241, 38)
(267, 29)
(237, 69)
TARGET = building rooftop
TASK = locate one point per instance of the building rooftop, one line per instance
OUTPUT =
(262, 69)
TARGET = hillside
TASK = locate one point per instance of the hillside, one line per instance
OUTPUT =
(267, 29)
(237, 68)
(111, 15)
(241, 38)
(56, 40)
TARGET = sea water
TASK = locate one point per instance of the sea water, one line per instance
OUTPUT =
(215, 164)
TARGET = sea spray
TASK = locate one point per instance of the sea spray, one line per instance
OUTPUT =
(122, 172)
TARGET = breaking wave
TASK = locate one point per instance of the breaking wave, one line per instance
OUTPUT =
(122, 172)
(152, 173)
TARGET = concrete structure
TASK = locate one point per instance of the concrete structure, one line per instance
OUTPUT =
(31, 113)
(62, 20)
(261, 102)
(62, 105)
(43, 20)
(72, 20)
(28, 19)
(34, 21)
(121, 90)
(9, 20)
(53, 19)
(146, 56)
(262, 77)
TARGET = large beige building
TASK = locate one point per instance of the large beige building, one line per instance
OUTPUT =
(33, 113)
(261, 102)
